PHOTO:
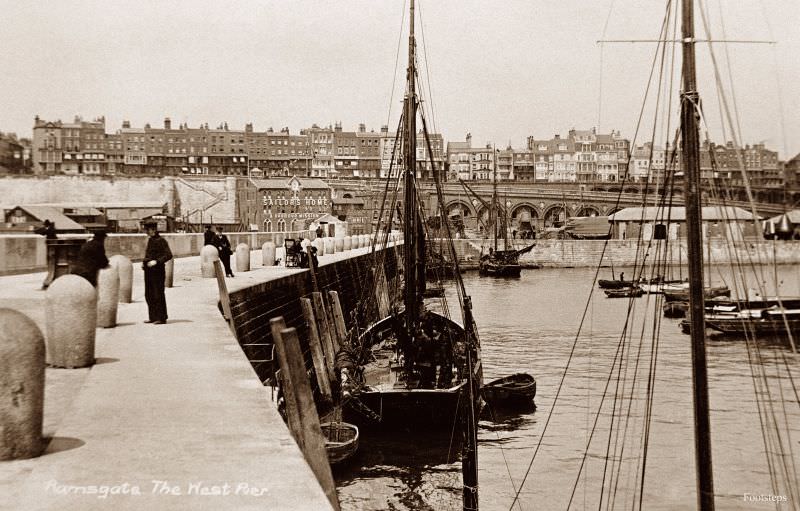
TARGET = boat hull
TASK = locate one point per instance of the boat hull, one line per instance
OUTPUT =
(500, 270)
(516, 389)
(388, 403)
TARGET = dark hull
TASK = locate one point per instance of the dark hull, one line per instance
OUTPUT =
(614, 284)
(708, 294)
(511, 390)
(624, 293)
(397, 407)
(736, 326)
(500, 270)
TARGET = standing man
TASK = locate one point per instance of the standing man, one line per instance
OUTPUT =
(91, 258)
(223, 245)
(156, 255)
(48, 230)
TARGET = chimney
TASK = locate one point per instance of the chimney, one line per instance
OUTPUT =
(385, 129)
(469, 139)
(248, 128)
(557, 136)
(594, 130)
(126, 124)
(362, 128)
(338, 127)
(167, 123)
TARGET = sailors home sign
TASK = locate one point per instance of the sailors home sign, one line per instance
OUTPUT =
(290, 204)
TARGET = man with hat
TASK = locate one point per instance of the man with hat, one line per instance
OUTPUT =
(156, 256)
(91, 258)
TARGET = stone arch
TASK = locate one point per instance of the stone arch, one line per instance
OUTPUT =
(613, 209)
(459, 207)
(555, 213)
(587, 211)
(347, 195)
(281, 225)
(267, 225)
(525, 216)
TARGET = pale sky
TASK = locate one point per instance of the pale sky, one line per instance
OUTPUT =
(501, 70)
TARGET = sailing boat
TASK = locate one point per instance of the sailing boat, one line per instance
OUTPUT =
(424, 370)
(505, 262)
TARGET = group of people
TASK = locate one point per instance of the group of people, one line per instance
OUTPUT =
(432, 354)
(223, 245)
(92, 258)
(300, 257)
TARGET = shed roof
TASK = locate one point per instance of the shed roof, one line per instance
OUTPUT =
(42, 213)
(678, 214)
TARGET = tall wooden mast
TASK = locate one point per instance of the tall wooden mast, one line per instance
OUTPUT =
(410, 224)
(691, 164)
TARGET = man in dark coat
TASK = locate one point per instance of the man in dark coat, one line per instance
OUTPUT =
(48, 230)
(223, 245)
(91, 258)
(208, 236)
(156, 256)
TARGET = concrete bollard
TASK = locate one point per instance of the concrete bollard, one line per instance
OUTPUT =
(320, 246)
(242, 257)
(125, 272)
(347, 243)
(22, 359)
(329, 246)
(338, 245)
(70, 313)
(280, 255)
(208, 254)
(107, 297)
(169, 273)
(268, 254)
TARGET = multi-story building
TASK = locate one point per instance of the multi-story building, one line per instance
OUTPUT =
(277, 154)
(368, 150)
(425, 162)
(12, 153)
(584, 156)
(648, 163)
(322, 147)
(471, 163)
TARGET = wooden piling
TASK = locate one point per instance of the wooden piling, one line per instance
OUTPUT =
(323, 325)
(323, 362)
(381, 293)
(224, 298)
(338, 316)
(304, 421)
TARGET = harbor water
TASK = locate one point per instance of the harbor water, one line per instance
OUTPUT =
(531, 325)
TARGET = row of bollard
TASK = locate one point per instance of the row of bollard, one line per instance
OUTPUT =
(73, 310)
(271, 254)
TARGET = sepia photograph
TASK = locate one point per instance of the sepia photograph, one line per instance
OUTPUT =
(400, 255)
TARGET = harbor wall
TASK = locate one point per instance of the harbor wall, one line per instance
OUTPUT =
(588, 253)
(27, 253)
(253, 307)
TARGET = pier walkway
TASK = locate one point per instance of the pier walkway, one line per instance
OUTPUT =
(170, 417)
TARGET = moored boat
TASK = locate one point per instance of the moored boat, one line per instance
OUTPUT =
(625, 292)
(517, 388)
(341, 440)
(708, 293)
(614, 284)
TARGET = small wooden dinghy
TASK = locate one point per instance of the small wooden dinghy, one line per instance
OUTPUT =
(341, 440)
(517, 388)
(625, 292)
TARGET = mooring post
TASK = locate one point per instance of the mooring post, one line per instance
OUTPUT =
(125, 270)
(323, 362)
(22, 360)
(70, 313)
(324, 326)
(169, 273)
(338, 316)
(242, 257)
(307, 432)
(208, 254)
(224, 298)
(107, 296)
(381, 293)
